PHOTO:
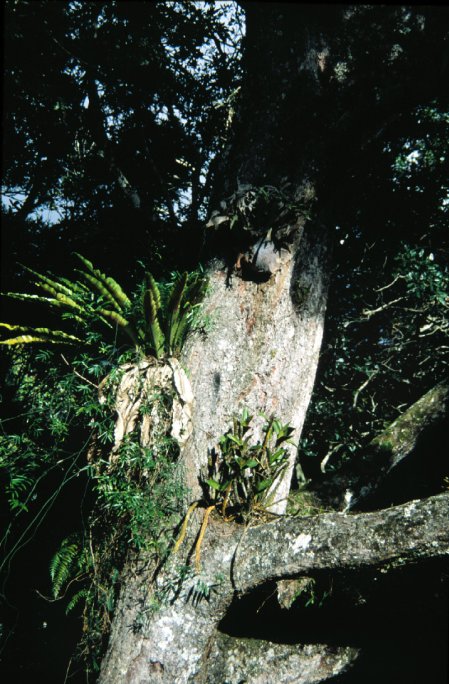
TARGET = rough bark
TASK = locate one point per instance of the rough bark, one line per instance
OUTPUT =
(176, 643)
(244, 360)
(261, 662)
(401, 534)
(246, 357)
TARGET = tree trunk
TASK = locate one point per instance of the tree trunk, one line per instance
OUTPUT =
(261, 349)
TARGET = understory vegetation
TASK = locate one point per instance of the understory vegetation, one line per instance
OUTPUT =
(387, 331)
(67, 394)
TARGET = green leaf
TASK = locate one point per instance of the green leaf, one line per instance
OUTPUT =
(252, 463)
(109, 284)
(152, 285)
(62, 563)
(82, 594)
(263, 485)
(54, 284)
(277, 455)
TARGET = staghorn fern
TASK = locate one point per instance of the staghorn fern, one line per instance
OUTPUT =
(157, 326)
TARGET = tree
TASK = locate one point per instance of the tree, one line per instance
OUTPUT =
(305, 115)
(330, 98)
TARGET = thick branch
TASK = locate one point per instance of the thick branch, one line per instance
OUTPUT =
(398, 441)
(292, 546)
(401, 437)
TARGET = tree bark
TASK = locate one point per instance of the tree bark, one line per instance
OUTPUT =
(174, 645)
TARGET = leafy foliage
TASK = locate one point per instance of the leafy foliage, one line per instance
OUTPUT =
(157, 325)
(127, 173)
(242, 476)
(386, 340)
(132, 135)
(61, 565)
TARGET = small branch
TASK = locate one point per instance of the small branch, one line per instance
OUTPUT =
(368, 313)
(89, 382)
(362, 386)
(385, 287)
(398, 441)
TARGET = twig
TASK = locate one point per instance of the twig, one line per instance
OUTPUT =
(385, 287)
(370, 312)
(79, 374)
(362, 387)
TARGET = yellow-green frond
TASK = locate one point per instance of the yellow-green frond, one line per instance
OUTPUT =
(30, 297)
(149, 307)
(55, 284)
(177, 293)
(152, 285)
(123, 323)
(108, 283)
(101, 289)
(37, 335)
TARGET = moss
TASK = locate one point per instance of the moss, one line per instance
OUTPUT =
(302, 503)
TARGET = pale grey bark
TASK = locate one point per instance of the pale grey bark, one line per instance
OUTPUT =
(261, 351)
(260, 662)
(292, 546)
(176, 641)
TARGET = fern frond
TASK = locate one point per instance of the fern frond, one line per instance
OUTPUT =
(28, 339)
(157, 339)
(31, 297)
(82, 594)
(61, 565)
(153, 331)
(174, 314)
(152, 285)
(101, 289)
(177, 293)
(178, 333)
(37, 335)
(55, 284)
(68, 301)
(59, 296)
(109, 283)
(77, 287)
(123, 323)
(185, 296)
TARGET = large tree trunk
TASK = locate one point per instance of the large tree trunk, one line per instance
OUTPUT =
(261, 351)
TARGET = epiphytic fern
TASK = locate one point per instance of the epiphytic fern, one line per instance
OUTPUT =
(157, 324)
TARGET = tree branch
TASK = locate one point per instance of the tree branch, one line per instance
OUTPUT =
(364, 475)
(334, 541)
